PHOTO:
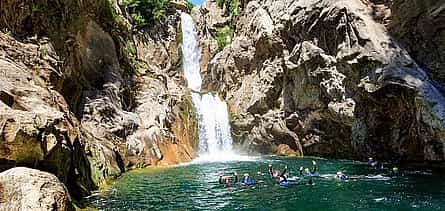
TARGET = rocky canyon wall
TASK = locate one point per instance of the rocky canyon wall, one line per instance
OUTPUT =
(85, 96)
(347, 79)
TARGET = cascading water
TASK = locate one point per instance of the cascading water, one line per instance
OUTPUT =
(215, 141)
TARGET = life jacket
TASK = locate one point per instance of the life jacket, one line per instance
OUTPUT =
(248, 181)
(343, 177)
(284, 183)
(309, 174)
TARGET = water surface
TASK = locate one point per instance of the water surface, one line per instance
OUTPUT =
(195, 187)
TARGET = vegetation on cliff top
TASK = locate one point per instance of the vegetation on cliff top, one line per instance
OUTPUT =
(189, 5)
(232, 9)
(145, 12)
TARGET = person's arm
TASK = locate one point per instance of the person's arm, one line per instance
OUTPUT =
(270, 170)
(236, 177)
(283, 174)
(284, 178)
(301, 171)
(220, 178)
(314, 167)
(284, 171)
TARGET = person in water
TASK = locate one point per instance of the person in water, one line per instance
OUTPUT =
(281, 178)
(395, 172)
(307, 172)
(247, 180)
(371, 162)
(226, 179)
(341, 176)
(377, 166)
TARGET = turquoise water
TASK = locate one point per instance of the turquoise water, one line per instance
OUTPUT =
(196, 187)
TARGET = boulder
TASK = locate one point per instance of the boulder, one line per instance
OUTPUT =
(29, 189)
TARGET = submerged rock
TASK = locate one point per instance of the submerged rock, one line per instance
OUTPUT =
(30, 189)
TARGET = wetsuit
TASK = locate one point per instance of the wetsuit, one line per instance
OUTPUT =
(282, 179)
(314, 169)
(342, 176)
(227, 184)
(281, 175)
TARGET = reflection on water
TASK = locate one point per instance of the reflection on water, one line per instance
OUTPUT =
(195, 187)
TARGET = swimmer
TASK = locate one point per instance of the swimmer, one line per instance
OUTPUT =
(395, 172)
(281, 178)
(341, 176)
(247, 180)
(310, 173)
(226, 179)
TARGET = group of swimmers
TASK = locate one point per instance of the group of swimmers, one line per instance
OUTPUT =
(380, 168)
(281, 177)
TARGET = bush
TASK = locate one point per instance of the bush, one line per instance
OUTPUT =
(223, 37)
(189, 5)
(145, 12)
(232, 9)
(232, 6)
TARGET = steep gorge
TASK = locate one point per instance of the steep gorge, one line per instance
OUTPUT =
(345, 79)
(85, 96)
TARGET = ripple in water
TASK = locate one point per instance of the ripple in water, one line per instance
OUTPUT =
(195, 187)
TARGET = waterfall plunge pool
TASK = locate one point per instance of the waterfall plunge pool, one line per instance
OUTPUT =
(195, 186)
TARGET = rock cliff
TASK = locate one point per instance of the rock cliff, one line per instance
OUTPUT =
(346, 79)
(85, 96)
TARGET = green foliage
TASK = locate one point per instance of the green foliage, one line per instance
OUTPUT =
(232, 6)
(189, 5)
(223, 37)
(145, 12)
(220, 3)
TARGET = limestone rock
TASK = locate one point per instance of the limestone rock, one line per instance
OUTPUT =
(335, 75)
(420, 26)
(29, 189)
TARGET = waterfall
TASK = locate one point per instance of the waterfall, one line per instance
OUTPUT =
(215, 141)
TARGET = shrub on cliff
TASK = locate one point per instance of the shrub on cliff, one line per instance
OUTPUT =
(232, 7)
(145, 12)
(189, 5)
(223, 37)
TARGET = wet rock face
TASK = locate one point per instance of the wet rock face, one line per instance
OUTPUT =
(91, 100)
(334, 76)
(29, 189)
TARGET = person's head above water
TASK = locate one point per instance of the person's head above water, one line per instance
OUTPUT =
(246, 175)
(227, 179)
(276, 173)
